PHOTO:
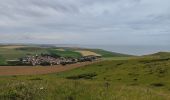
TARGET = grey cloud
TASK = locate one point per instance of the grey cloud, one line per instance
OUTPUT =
(90, 21)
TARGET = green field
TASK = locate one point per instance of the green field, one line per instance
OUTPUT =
(104, 53)
(2, 61)
(66, 53)
(140, 78)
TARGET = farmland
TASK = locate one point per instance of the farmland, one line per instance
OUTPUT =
(11, 52)
(87, 53)
(32, 70)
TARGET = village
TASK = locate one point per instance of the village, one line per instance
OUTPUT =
(50, 60)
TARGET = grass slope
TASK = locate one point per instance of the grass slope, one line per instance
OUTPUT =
(2, 61)
(132, 79)
(65, 53)
(161, 54)
(105, 53)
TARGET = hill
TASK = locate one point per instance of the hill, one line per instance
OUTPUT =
(105, 53)
(161, 54)
(158, 55)
(131, 79)
(12, 52)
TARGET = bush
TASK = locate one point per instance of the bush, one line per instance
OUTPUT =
(83, 76)
(36, 79)
(157, 84)
(45, 64)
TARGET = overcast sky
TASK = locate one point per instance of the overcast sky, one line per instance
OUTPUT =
(125, 22)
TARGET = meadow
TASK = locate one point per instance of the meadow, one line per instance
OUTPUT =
(141, 78)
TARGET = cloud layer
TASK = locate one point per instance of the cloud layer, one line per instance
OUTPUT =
(85, 21)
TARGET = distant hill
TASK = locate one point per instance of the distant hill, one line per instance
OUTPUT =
(105, 53)
(160, 54)
(12, 52)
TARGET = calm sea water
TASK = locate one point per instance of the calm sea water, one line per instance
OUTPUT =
(129, 49)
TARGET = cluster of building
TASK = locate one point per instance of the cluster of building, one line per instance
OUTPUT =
(50, 60)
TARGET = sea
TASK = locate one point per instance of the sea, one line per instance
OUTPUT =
(126, 49)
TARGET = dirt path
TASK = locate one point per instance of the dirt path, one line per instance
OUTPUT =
(32, 70)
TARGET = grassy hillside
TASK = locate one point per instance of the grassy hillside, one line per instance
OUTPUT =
(108, 53)
(2, 61)
(65, 53)
(161, 54)
(132, 79)
(10, 54)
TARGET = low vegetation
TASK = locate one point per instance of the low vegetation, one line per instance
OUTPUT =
(130, 79)
(66, 53)
(2, 61)
(114, 78)
(87, 53)
(83, 76)
(160, 55)
(104, 53)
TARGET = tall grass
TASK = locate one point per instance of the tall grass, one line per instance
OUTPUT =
(131, 79)
(62, 89)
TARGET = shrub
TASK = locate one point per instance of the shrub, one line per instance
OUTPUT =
(157, 84)
(45, 64)
(36, 79)
(83, 76)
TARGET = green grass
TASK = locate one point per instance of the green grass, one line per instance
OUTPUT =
(118, 58)
(125, 79)
(66, 53)
(75, 90)
(161, 55)
(105, 53)
(2, 61)
(21, 52)
(117, 77)
(10, 54)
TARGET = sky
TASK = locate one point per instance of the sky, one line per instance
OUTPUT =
(104, 22)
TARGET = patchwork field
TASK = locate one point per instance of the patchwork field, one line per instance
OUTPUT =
(12, 52)
(12, 46)
(88, 53)
(60, 49)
